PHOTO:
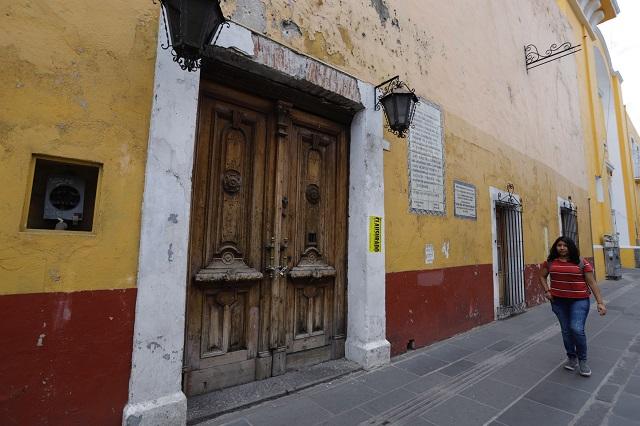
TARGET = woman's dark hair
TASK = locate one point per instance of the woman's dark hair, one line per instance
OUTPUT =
(574, 251)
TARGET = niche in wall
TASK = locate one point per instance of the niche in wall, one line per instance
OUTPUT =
(63, 195)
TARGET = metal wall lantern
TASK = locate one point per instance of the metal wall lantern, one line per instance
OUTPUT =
(399, 104)
(192, 26)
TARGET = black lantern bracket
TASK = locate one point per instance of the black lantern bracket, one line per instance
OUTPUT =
(387, 88)
(534, 59)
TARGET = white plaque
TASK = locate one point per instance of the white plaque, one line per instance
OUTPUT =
(426, 160)
(429, 254)
(464, 200)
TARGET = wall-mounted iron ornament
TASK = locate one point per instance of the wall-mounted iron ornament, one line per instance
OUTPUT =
(399, 104)
(534, 59)
(190, 27)
(509, 198)
(569, 205)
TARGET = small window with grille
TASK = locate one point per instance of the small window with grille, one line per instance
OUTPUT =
(569, 219)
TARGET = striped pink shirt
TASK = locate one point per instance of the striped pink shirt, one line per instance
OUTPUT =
(567, 280)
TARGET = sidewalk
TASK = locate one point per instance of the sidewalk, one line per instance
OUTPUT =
(505, 373)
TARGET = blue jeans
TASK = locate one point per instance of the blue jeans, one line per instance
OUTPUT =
(572, 315)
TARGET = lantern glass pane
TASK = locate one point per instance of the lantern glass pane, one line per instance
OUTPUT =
(390, 108)
(403, 100)
(201, 19)
(172, 10)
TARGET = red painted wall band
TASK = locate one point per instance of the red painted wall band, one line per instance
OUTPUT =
(66, 357)
(432, 305)
(427, 306)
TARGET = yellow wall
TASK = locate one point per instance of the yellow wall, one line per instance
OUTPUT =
(468, 241)
(593, 117)
(632, 134)
(627, 132)
(76, 82)
(595, 132)
(79, 78)
(502, 124)
(627, 163)
(596, 139)
(627, 258)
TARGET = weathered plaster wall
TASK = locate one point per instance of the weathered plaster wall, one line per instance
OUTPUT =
(502, 124)
(627, 252)
(471, 63)
(634, 137)
(605, 142)
(76, 83)
(596, 155)
(625, 161)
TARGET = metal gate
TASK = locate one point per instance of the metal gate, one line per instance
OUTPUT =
(510, 248)
(569, 220)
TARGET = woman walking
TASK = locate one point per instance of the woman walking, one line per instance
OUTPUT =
(572, 283)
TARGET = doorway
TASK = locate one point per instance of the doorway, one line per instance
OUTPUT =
(267, 263)
(509, 297)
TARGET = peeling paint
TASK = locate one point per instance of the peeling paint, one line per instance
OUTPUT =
(290, 29)
(382, 10)
(40, 341)
(316, 45)
(445, 249)
(134, 420)
(346, 38)
(170, 253)
(152, 346)
(252, 14)
(54, 275)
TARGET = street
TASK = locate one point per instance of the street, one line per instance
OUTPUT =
(505, 373)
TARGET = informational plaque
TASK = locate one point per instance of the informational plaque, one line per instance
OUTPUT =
(429, 254)
(464, 200)
(426, 160)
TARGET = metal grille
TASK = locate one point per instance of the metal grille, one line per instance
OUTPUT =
(510, 258)
(569, 218)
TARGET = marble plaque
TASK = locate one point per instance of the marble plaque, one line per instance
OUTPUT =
(426, 160)
(464, 200)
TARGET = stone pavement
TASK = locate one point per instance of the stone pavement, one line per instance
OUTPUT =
(505, 373)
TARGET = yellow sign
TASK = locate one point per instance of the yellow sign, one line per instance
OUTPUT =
(375, 234)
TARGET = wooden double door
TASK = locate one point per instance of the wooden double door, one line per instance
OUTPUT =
(267, 243)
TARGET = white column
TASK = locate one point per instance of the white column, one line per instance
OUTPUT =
(155, 389)
(366, 322)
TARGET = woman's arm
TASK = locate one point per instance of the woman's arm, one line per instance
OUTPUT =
(543, 282)
(591, 282)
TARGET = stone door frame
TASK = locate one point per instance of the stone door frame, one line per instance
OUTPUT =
(155, 387)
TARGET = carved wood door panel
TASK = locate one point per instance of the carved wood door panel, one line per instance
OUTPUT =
(268, 241)
(315, 226)
(226, 245)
